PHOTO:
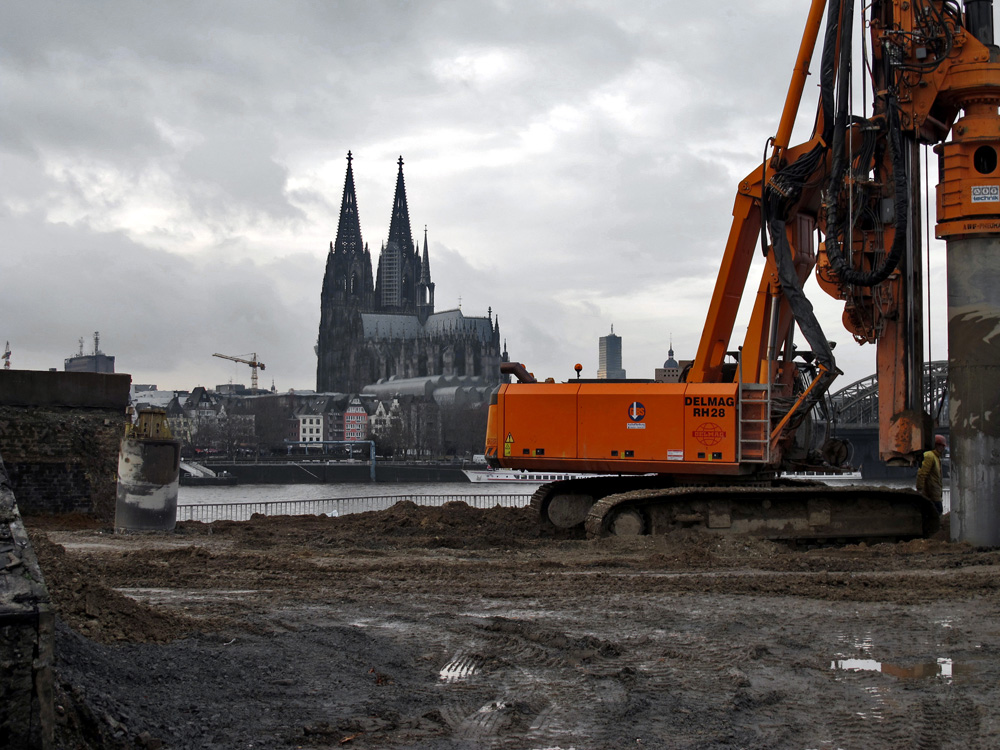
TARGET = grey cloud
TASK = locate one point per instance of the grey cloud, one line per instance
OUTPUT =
(240, 165)
(157, 311)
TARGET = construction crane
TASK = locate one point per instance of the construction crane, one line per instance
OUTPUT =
(254, 365)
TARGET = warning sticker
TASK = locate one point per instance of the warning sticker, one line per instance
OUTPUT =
(675, 455)
(507, 444)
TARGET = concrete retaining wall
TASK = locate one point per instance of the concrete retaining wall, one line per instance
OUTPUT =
(59, 437)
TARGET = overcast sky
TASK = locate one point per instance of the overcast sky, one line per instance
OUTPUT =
(172, 172)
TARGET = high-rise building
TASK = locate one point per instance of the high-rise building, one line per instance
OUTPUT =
(374, 330)
(609, 365)
(96, 362)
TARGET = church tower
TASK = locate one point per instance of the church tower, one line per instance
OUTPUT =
(348, 277)
(399, 263)
(425, 287)
(388, 329)
(347, 292)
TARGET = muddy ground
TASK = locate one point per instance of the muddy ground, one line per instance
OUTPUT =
(460, 628)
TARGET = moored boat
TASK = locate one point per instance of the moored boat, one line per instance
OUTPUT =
(826, 477)
(223, 479)
(516, 475)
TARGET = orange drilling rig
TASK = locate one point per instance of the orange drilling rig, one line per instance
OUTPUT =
(708, 452)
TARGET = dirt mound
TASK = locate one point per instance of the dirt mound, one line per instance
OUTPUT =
(465, 526)
(688, 548)
(64, 521)
(454, 525)
(99, 612)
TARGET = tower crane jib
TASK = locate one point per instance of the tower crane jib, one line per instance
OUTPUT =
(254, 363)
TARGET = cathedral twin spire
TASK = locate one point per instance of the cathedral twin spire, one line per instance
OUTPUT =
(399, 227)
(403, 281)
(349, 229)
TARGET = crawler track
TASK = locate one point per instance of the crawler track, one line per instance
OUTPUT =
(764, 508)
(564, 505)
(793, 512)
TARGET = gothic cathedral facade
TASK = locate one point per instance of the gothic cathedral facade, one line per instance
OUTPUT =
(372, 330)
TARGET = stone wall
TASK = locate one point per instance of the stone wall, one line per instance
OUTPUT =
(59, 438)
(27, 635)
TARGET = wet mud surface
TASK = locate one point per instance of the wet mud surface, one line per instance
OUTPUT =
(461, 628)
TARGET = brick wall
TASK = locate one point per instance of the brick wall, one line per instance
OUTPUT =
(59, 438)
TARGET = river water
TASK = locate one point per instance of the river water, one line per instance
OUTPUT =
(241, 501)
(248, 493)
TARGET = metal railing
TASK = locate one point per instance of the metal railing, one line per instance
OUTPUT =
(340, 506)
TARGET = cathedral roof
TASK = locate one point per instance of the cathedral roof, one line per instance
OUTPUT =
(388, 325)
(349, 228)
(447, 390)
(399, 227)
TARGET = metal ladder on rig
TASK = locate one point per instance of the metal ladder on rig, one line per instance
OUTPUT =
(754, 442)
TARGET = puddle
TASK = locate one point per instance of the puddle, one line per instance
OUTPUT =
(161, 596)
(944, 668)
(398, 625)
(458, 669)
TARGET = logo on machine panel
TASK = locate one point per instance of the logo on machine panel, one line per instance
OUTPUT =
(709, 433)
(986, 193)
(636, 413)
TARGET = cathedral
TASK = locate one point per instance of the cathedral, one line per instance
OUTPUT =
(372, 330)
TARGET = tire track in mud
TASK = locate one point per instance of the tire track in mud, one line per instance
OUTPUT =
(517, 683)
(940, 721)
(595, 687)
(482, 693)
(527, 660)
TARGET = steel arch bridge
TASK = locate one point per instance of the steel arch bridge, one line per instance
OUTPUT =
(857, 403)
